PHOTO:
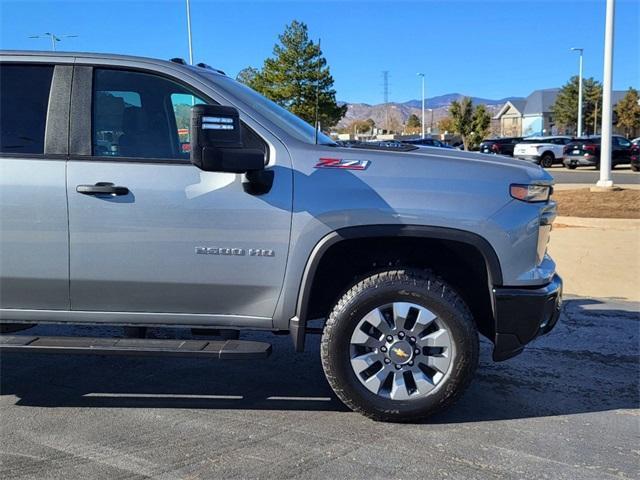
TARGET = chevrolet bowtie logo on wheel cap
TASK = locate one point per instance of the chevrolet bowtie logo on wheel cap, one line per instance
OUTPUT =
(399, 352)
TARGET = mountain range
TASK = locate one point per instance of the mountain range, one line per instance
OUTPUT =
(401, 111)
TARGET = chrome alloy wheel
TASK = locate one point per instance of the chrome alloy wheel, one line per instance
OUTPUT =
(401, 351)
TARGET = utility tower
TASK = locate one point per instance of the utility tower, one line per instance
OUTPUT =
(385, 93)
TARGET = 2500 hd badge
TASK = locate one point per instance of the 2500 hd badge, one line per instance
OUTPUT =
(252, 252)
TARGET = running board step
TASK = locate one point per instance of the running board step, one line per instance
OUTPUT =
(221, 349)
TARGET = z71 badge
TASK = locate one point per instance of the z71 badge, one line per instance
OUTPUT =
(343, 164)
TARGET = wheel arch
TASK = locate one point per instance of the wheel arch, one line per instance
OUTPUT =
(386, 232)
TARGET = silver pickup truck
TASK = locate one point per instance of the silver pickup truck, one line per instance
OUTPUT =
(145, 193)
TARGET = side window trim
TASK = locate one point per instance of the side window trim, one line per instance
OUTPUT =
(56, 132)
(80, 120)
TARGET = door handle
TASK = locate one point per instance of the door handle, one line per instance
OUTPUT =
(102, 188)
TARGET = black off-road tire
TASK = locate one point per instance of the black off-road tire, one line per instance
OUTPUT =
(414, 286)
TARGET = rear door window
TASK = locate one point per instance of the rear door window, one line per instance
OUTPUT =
(24, 99)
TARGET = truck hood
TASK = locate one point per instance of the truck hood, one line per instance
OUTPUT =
(479, 163)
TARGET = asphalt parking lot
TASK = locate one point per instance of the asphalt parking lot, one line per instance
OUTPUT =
(621, 175)
(566, 408)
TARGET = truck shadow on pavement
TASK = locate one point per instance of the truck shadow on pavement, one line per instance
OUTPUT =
(589, 363)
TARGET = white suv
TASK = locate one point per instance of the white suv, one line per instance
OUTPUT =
(544, 151)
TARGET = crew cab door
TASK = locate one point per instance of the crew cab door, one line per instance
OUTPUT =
(169, 238)
(34, 248)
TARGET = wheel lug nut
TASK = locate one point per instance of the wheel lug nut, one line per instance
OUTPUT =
(417, 351)
(389, 338)
(386, 360)
(411, 363)
(413, 339)
(401, 335)
(383, 349)
(398, 367)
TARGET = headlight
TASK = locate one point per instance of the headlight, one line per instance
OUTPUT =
(530, 193)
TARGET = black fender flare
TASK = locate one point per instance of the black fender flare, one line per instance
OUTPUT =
(297, 324)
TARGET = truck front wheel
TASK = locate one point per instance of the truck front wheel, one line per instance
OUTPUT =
(399, 346)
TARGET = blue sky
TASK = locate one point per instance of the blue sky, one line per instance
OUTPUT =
(486, 49)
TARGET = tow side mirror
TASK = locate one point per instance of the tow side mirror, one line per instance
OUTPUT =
(216, 141)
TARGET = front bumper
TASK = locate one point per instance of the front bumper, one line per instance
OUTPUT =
(530, 158)
(523, 314)
(580, 160)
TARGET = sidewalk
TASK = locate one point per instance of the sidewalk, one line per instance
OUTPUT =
(598, 257)
(578, 186)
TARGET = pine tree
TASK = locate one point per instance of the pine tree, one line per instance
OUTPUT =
(413, 121)
(247, 75)
(565, 108)
(461, 113)
(481, 123)
(295, 75)
(471, 124)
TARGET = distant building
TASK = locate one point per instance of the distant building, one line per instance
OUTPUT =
(533, 115)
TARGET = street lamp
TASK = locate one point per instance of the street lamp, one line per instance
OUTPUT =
(581, 50)
(421, 75)
(54, 38)
(605, 181)
(189, 32)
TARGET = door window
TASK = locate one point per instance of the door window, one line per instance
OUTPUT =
(139, 115)
(24, 97)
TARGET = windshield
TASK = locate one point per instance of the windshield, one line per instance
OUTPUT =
(282, 118)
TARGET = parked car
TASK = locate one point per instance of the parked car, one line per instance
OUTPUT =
(585, 152)
(636, 141)
(545, 151)
(500, 146)
(634, 161)
(428, 142)
(348, 143)
(405, 256)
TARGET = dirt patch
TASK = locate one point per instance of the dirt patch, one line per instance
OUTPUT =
(585, 203)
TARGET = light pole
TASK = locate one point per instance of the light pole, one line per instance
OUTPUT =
(581, 50)
(607, 117)
(53, 37)
(421, 75)
(189, 32)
